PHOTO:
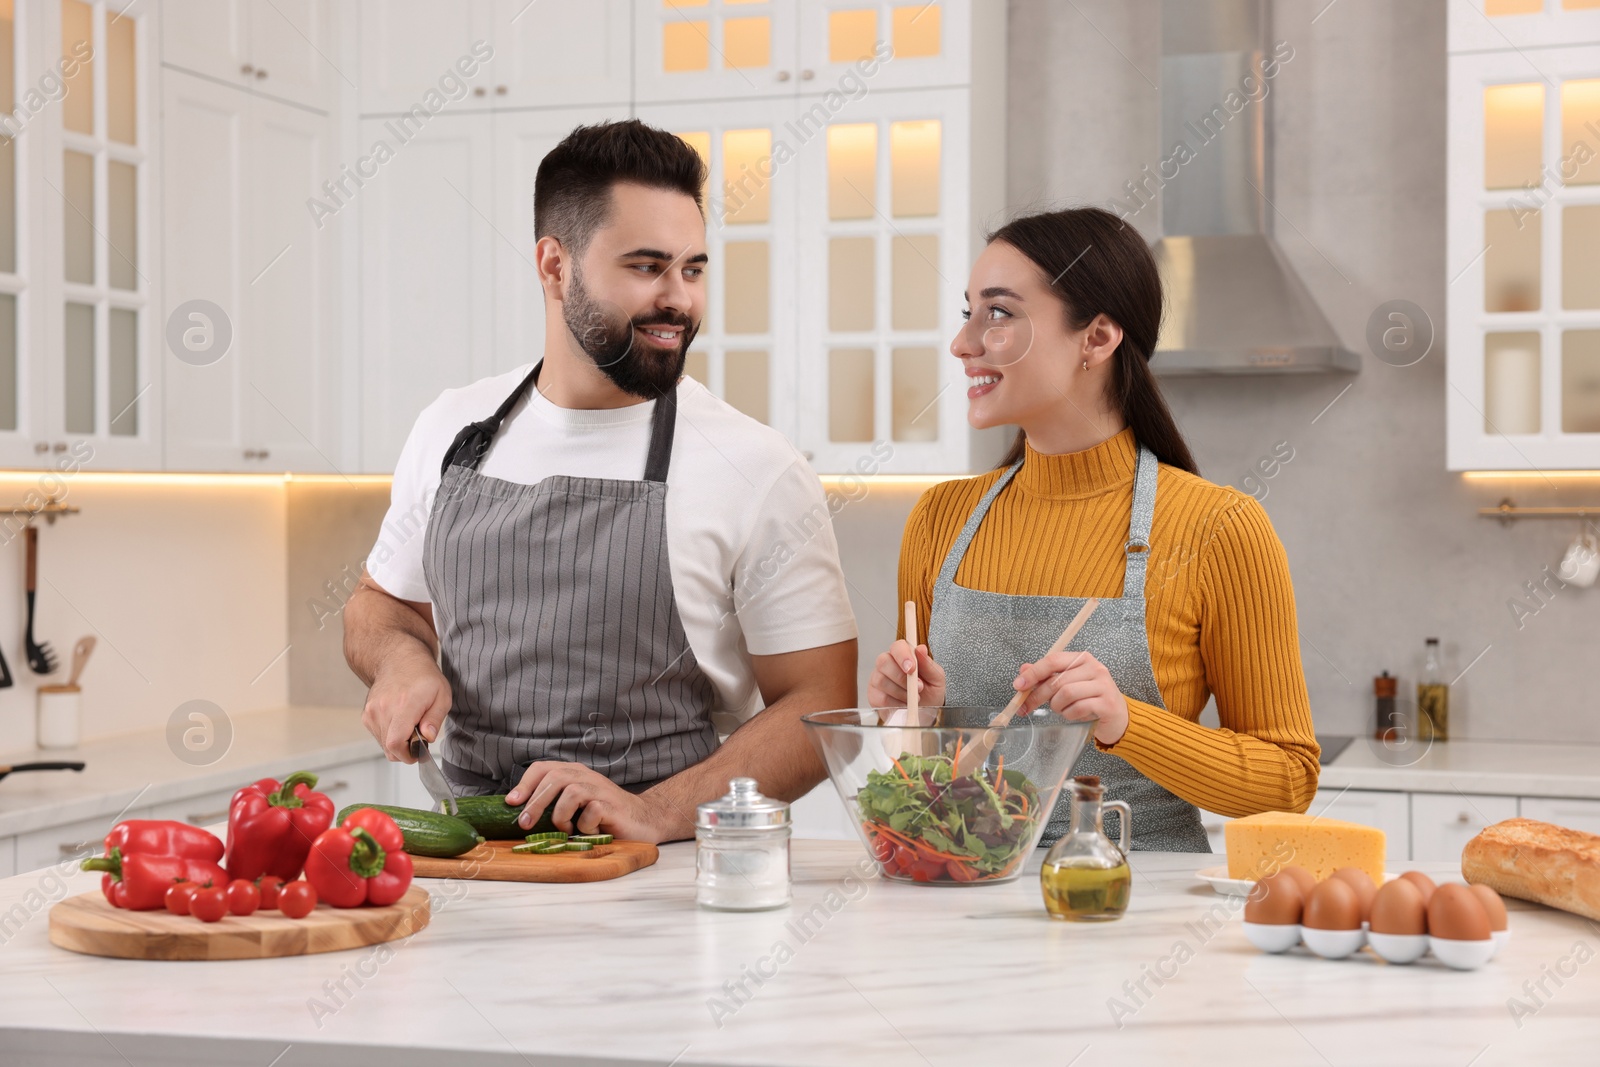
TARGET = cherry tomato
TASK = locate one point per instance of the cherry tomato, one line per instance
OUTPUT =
(210, 903)
(904, 859)
(883, 849)
(179, 894)
(269, 884)
(297, 899)
(243, 897)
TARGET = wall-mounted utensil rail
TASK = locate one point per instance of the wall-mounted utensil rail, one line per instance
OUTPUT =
(1507, 512)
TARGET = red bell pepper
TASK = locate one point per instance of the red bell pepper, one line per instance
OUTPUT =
(360, 861)
(139, 882)
(165, 837)
(271, 826)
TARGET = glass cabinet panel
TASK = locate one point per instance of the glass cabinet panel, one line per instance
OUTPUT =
(8, 361)
(746, 383)
(122, 386)
(122, 223)
(747, 193)
(850, 394)
(916, 282)
(1513, 135)
(852, 34)
(78, 380)
(122, 94)
(914, 385)
(1580, 256)
(77, 33)
(1580, 381)
(1511, 264)
(914, 168)
(1511, 383)
(747, 42)
(852, 294)
(1580, 117)
(746, 266)
(685, 46)
(77, 221)
(916, 31)
(852, 170)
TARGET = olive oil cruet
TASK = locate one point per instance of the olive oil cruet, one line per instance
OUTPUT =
(1085, 877)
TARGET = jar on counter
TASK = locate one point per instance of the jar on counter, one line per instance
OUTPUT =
(742, 850)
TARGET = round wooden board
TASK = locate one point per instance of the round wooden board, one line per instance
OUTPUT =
(88, 923)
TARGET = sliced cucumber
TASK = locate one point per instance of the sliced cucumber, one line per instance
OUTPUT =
(592, 839)
(577, 846)
(551, 835)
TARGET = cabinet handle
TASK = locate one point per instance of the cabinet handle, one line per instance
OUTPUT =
(330, 787)
(41, 447)
(1463, 817)
(807, 75)
(59, 446)
(479, 91)
(204, 817)
(783, 75)
(72, 848)
(256, 453)
(261, 74)
(247, 70)
(499, 90)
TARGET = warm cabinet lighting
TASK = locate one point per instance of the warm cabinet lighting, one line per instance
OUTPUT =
(1493, 476)
(1513, 134)
(1494, 8)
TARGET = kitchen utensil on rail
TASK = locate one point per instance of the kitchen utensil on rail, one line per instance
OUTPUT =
(87, 923)
(974, 756)
(494, 861)
(433, 779)
(42, 765)
(41, 658)
(80, 657)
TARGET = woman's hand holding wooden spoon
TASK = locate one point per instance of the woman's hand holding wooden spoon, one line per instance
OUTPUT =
(887, 686)
(1079, 687)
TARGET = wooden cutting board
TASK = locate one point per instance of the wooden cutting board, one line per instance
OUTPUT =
(494, 861)
(88, 923)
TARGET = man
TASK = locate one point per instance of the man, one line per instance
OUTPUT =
(611, 553)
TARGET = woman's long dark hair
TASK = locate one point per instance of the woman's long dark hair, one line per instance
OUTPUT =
(1102, 266)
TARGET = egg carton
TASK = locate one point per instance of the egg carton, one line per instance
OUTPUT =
(1395, 948)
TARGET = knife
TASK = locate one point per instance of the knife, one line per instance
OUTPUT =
(433, 779)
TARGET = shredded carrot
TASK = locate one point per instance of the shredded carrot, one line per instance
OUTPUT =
(1024, 803)
(1000, 771)
(956, 762)
(901, 769)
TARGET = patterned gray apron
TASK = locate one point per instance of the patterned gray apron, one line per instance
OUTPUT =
(559, 632)
(981, 638)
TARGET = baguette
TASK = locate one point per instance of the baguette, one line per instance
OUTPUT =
(1537, 861)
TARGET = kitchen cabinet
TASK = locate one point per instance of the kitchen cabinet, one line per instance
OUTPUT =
(1388, 811)
(68, 842)
(1443, 823)
(520, 54)
(250, 276)
(8, 856)
(931, 43)
(1574, 813)
(1523, 239)
(715, 50)
(276, 48)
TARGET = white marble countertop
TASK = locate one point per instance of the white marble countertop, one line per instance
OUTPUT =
(1510, 768)
(140, 769)
(856, 971)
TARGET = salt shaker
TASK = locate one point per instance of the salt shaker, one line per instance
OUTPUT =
(742, 850)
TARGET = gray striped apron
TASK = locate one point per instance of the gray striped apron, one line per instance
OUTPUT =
(980, 638)
(558, 629)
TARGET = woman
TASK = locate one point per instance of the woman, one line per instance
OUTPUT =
(1100, 497)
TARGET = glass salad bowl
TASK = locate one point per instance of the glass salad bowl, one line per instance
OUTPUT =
(921, 821)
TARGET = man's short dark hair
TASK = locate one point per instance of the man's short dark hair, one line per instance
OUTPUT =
(572, 191)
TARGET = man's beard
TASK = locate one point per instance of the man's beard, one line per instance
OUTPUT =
(606, 337)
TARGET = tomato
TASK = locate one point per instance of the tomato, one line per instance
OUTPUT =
(243, 897)
(179, 894)
(882, 849)
(269, 884)
(927, 870)
(209, 904)
(296, 899)
(904, 858)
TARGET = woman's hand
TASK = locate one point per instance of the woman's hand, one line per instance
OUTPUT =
(887, 686)
(1079, 687)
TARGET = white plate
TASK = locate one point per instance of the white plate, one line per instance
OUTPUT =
(1217, 878)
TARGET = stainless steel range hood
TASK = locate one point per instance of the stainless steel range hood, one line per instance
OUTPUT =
(1234, 303)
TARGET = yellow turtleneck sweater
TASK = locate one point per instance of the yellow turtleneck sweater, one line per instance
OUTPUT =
(1220, 610)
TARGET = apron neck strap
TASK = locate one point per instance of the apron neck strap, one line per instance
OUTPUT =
(952, 559)
(472, 443)
(1137, 547)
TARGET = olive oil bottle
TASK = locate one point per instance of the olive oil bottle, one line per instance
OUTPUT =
(1433, 698)
(1085, 877)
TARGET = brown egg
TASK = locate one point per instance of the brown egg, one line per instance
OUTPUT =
(1361, 882)
(1276, 901)
(1422, 882)
(1397, 908)
(1333, 905)
(1307, 880)
(1493, 906)
(1456, 914)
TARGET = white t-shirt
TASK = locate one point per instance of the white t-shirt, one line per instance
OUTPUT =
(755, 567)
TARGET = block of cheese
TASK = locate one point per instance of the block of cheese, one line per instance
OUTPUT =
(1260, 844)
(1537, 861)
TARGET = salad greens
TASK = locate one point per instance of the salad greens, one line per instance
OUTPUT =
(925, 823)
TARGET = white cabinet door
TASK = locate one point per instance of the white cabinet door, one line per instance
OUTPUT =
(559, 53)
(68, 842)
(241, 170)
(1442, 823)
(427, 273)
(1389, 812)
(714, 50)
(521, 139)
(279, 48)
(8, 856)
(904, 44)
(1574, 814)
(411, 48)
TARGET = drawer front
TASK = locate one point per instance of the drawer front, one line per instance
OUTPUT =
(206, 809)
(350, 783)
(1574, 814)
(1388, 811)
(69, 841)
(1443, 823)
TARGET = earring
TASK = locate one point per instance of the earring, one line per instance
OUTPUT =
(1085, 364)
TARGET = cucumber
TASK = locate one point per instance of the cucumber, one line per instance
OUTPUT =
(592, 839)
(426, 833)
(496, 820)
(552, 835)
